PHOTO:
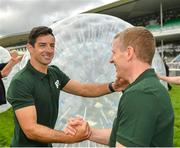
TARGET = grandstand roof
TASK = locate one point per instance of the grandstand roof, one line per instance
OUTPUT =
(14, 39)
(128, 9)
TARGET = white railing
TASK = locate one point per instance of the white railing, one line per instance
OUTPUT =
(174, 69)
(20, 49)
(164, 31)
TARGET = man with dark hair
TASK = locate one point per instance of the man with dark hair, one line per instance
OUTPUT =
(145, 115)
(37, 31)
(34, 95)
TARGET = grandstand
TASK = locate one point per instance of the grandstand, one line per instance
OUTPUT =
(15, 41)
(161, 17)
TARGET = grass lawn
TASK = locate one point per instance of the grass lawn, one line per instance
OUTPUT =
(6, 128)
(6, 120)
(175, 97)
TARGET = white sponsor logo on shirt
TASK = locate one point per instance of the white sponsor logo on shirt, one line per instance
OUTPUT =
(57, 83)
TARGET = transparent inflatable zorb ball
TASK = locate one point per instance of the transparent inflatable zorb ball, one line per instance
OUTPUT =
(83, 50)
(24, 60)
(4, 58)
(159, 67)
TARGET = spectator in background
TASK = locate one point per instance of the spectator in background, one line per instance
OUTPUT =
(5, 69)
(167, 73)
(172, 80)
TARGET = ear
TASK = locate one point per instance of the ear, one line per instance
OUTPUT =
(130, 53)
(30, 48)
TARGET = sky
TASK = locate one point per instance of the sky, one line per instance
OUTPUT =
(22, 15)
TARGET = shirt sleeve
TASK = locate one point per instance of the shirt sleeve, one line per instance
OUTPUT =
(2, 65)
(19, 94)
(137, 118)
(64, 79)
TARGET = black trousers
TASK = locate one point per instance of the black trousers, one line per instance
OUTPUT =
(2, 88)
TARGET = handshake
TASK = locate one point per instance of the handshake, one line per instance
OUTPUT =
(78, 129)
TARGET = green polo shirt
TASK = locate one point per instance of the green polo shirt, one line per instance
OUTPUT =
(145, 115)
(31, 87)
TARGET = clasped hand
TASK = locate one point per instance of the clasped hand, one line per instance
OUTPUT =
(78, 129)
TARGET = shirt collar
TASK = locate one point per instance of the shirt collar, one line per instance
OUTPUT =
(147, 73)
(35, 72)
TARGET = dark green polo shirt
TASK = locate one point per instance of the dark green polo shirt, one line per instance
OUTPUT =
(31, 87)
(145, 115)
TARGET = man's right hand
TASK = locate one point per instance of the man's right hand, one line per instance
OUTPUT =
(77, 129)
(83, 132)
(71, 124)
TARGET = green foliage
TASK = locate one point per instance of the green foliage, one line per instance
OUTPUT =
(7, 125)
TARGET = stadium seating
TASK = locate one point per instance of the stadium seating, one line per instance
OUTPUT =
(152, 27)
(172, 22)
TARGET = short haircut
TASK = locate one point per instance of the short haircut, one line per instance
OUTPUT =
(38, 31)
(141, 40)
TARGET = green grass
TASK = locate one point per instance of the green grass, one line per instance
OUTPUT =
(7, 125)
(6, 128)
(175, 97)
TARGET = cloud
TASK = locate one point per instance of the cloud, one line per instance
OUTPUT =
(21, 15)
